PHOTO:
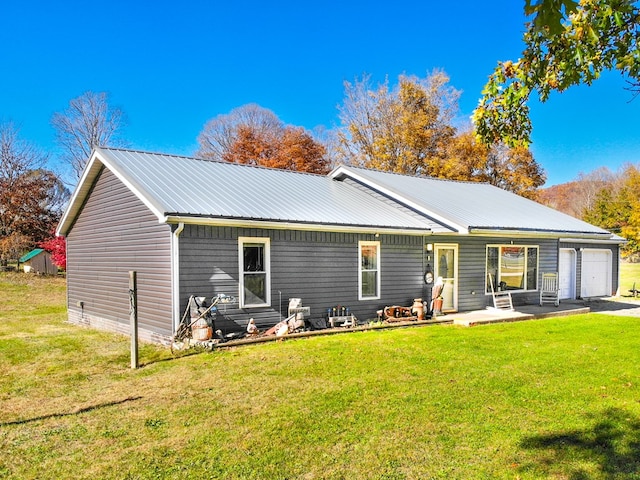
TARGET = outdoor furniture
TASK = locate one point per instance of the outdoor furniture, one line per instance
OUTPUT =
(549, 291)
(501, 299)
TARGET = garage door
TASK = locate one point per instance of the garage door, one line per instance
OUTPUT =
(596, 273)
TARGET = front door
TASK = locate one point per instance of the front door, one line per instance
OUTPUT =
(446, 266)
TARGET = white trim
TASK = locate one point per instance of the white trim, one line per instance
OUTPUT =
(342, 170)
(497, 232)
(267, 269)
(175, 274)
(572, 271)
(97, 160)
(436, 265)
(499, 246)
(610, 241)
(316, 227)
(361, 244)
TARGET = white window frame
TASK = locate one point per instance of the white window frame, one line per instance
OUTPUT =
(267, 269)
(500, 246)
(363, 243)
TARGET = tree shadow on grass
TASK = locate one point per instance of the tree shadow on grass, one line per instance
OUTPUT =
(77, 411)
(612, 446)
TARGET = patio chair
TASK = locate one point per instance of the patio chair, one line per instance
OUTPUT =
(549, 291)
(501, 299)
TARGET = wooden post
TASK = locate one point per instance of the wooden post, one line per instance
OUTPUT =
(133, 317)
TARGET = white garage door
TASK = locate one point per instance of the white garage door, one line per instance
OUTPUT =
(596, 273)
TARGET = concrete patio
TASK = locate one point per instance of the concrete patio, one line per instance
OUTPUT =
(627, 306)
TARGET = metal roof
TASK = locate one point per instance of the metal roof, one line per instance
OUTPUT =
(185, 189)
(28, 256)
(176, 188)
(470, 207)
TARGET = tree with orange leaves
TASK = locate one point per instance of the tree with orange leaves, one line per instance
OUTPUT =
(254, 135)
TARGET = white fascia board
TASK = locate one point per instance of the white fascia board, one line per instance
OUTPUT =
(131, 185)
(342, 170)
(316, 227)
(79, 194)
(95, 163)
(600, 241)
(497, 232)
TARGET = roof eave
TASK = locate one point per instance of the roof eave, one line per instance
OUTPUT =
(289, 225)
(532, 232)
(97, 160)
(341, 172)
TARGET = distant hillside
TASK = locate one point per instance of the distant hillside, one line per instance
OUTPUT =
(566, 197)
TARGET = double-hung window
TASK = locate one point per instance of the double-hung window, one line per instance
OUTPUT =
(512, 267)
(369, 270)
(255, 275)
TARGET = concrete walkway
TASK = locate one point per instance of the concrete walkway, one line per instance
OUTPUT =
(610, 305)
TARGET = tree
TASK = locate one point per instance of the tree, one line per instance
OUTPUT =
(512, 169)
(31, 197)
(616, 208)
(409, 130)
(57, 247)
(404, 130)
(254, 135)
(567, 43)
(87, 123)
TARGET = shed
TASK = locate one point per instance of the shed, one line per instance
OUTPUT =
(38, 261)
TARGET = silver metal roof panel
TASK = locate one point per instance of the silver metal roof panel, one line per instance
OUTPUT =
(468, 206)
(173, 186)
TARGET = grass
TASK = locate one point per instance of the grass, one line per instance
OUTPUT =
(629, 275)
(556, 398)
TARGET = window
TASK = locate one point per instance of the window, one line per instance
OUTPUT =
(512, 267)
(369, 266)
(255, 275)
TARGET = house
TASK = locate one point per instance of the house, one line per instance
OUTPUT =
(38, 261)
(356, 237)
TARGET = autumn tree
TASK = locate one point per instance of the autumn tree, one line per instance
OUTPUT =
(616, 208)
(31, 197)
(567, 43)
(404, 130)
(512, 169)
(409, 129)
(88, 122)
(255, 135)
(57, 247)
(576, 197)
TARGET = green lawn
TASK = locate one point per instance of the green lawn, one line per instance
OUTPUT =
(555, 398)
(629, 274)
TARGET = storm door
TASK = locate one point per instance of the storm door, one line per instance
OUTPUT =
(446, 266)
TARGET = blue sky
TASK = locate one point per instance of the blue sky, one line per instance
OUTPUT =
(171, 66)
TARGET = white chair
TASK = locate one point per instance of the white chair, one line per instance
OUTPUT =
(549, 290)
(501, 299)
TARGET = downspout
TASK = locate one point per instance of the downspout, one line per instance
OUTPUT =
(175, 274)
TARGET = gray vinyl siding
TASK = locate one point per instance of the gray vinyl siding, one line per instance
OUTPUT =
(113, 234)
(472, 267)
(322, 269)
(319, 267)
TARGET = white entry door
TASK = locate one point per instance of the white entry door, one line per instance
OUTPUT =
(567, 273)
(446, 266)
(595, 278)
